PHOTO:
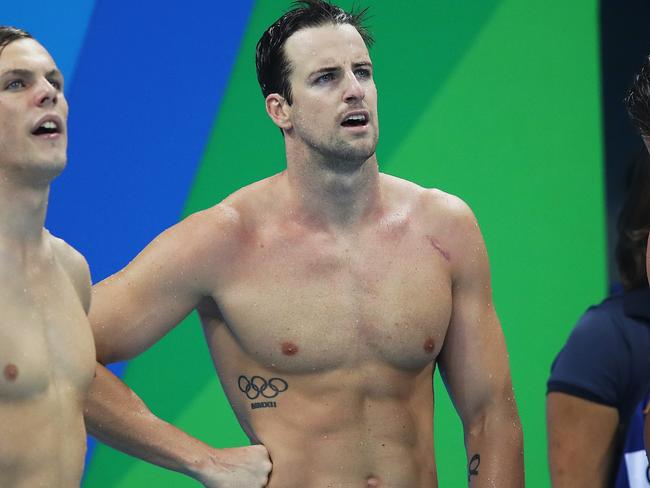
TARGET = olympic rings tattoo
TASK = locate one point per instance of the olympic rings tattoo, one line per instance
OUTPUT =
(257, 386)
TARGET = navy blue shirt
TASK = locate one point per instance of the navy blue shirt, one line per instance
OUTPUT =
(633, 471)
(607, 356)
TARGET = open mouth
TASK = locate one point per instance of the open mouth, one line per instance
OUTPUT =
(355, 120)
(47, 127)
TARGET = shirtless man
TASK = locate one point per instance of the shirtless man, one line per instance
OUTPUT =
(46, 345)
(328, 293)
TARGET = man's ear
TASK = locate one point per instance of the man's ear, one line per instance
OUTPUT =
(279, 111)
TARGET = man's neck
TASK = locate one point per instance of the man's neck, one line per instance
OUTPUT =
(22, 212)
(334, 197)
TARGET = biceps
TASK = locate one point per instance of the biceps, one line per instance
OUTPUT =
(474, 361)
(129, 314)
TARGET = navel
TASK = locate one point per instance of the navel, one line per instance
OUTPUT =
(429, 345)
(372, 482)
(11, 372)
(289, 349)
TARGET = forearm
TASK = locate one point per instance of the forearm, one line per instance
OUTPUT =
(116, 416)
(495, 452)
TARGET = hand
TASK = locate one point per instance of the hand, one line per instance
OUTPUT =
(241, 467)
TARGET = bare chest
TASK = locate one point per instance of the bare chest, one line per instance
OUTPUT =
(312, 306)
(45, 338)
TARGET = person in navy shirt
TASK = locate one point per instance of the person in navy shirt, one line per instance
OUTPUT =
(602, 375)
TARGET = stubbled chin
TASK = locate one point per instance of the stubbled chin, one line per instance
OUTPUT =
(49, 167)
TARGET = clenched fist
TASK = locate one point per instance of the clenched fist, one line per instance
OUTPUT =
(241, 467)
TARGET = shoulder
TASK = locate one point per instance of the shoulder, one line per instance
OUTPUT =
(595, 362)
(433, 204)
(607, 322)
(595, 347)
(450, 209)
(75, 266)
(443, 217)
(595, 328)
(221, 231)
(199, 238)
(240, 214)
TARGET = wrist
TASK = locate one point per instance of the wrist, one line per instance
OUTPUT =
(202, 463)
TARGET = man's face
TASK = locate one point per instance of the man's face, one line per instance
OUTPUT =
(334, 109)
(33, 110)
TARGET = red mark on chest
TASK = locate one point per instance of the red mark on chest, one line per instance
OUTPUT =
(11, 372)
(429, 345)
(436, 245)
(289, 349)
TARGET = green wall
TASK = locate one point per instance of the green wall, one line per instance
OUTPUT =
(497, 101)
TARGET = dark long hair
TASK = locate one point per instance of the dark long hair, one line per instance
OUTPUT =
(637, 100)
(634, 225)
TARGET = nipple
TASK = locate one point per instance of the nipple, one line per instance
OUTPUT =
(11, 372)
(289, 349)
(429, 345)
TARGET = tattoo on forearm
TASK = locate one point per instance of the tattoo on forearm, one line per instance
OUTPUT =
(474, 463)
(260, 388)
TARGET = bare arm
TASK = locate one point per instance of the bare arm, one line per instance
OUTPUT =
(116, 416)
(474, 365)
(582, 438)
(131, 311)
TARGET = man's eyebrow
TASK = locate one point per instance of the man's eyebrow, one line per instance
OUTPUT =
(54, 72)
(25, 73)
(325, 69)
(18, 72)
(333, 69)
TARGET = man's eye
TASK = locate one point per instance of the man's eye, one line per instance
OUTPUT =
(55, 83)
(15, 85)
(362, 73)
(327, 77)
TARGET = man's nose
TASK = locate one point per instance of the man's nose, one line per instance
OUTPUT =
(46, 94)
(353, 89)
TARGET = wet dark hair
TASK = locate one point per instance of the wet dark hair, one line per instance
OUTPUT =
(9, 34)
(272, 65)
(637, 100)
(634, 225)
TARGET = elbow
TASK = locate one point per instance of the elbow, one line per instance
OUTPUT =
(497, 417)
(108, 353)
